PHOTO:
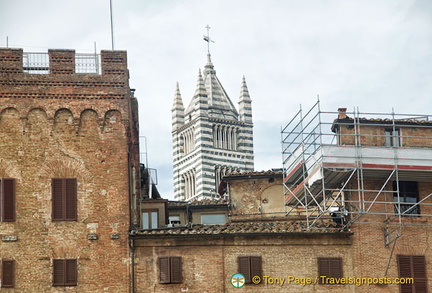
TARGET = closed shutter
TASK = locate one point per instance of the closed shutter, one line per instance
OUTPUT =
(419, 273)
(64, 197)
(244, 268)
(176, 270)
(7, 273)
(256, 266)
(8, 199)
(413, 266)
(164, 270)
(57, 199)
(330, 267)
(71, 272)
(336, 267)
(58, 272)
(323, 267)
(71, 199)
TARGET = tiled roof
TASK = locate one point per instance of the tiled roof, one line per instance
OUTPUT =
(386, 121)
(244, 228)
(269, 173)
(204, 202)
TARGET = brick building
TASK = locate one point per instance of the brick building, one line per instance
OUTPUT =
(351, 212)
(69, 161)
(193, 256)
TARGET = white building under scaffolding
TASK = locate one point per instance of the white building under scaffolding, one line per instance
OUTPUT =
(343, 165)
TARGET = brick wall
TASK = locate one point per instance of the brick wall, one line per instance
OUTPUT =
(68, 125)
(209, 263)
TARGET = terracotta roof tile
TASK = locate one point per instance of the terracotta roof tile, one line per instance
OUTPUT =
(205, 202)
(276, 227)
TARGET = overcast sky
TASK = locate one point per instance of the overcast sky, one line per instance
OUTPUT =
(375, 55)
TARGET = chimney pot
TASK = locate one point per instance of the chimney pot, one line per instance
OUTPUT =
(342, 113)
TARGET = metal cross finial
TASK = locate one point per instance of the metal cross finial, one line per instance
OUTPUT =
(207, 38)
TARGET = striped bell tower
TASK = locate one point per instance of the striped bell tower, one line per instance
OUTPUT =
(210, 138)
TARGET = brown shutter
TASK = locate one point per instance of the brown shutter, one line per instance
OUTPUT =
(8, 199)
(164, 270)
(244, 267)
(323, 267)
(256, 266)
(58, 272)
(57, 198)
(71, 272)
(71, 199)
(336, 267)
(7, 273)
(413, 266)
(419, 273)
(176, 270)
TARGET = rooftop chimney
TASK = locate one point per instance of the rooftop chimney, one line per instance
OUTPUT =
(342, 113)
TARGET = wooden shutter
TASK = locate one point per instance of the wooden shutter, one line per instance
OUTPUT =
(58, 272)
(64, 197)
(336, 267)
(244, 267)
(71, 272)
(413, 266)
(8, 273)
(256, 266)
(164, 270)
(330, 267)
(176, 270)
(57, 198)
(71, 199)
(8, 199)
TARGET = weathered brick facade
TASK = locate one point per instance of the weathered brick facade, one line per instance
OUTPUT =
(361, 224)
(69, 125)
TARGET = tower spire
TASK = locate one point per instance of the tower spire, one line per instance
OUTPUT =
(177, 109)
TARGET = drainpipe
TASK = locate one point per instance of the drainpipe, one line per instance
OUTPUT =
(132, 246)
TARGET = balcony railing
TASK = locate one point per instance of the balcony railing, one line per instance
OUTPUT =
(38, 63)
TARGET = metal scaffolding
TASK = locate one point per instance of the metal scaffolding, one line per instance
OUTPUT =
(342, 165)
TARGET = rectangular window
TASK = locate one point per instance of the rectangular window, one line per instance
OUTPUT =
(330, 267)
(64, 272)
(392, 137)
(8, 274)
(174, 221)
(150, 219)
(64, 199)
(213, 219)
(413, 266)
(250, 266)
(7, 199)
(408, 196)
(170, 270)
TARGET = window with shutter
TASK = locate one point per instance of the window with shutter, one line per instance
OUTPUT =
(249, 267)
(64, 272)
(64, 199)
(176, 270)
(7, 277)
(330, 267)
(170, 270)
(7, 199)
(413, 266)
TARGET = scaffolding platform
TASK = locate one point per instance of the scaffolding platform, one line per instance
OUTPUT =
(331, 159)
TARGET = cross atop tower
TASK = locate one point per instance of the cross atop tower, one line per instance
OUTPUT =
(207, 38)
